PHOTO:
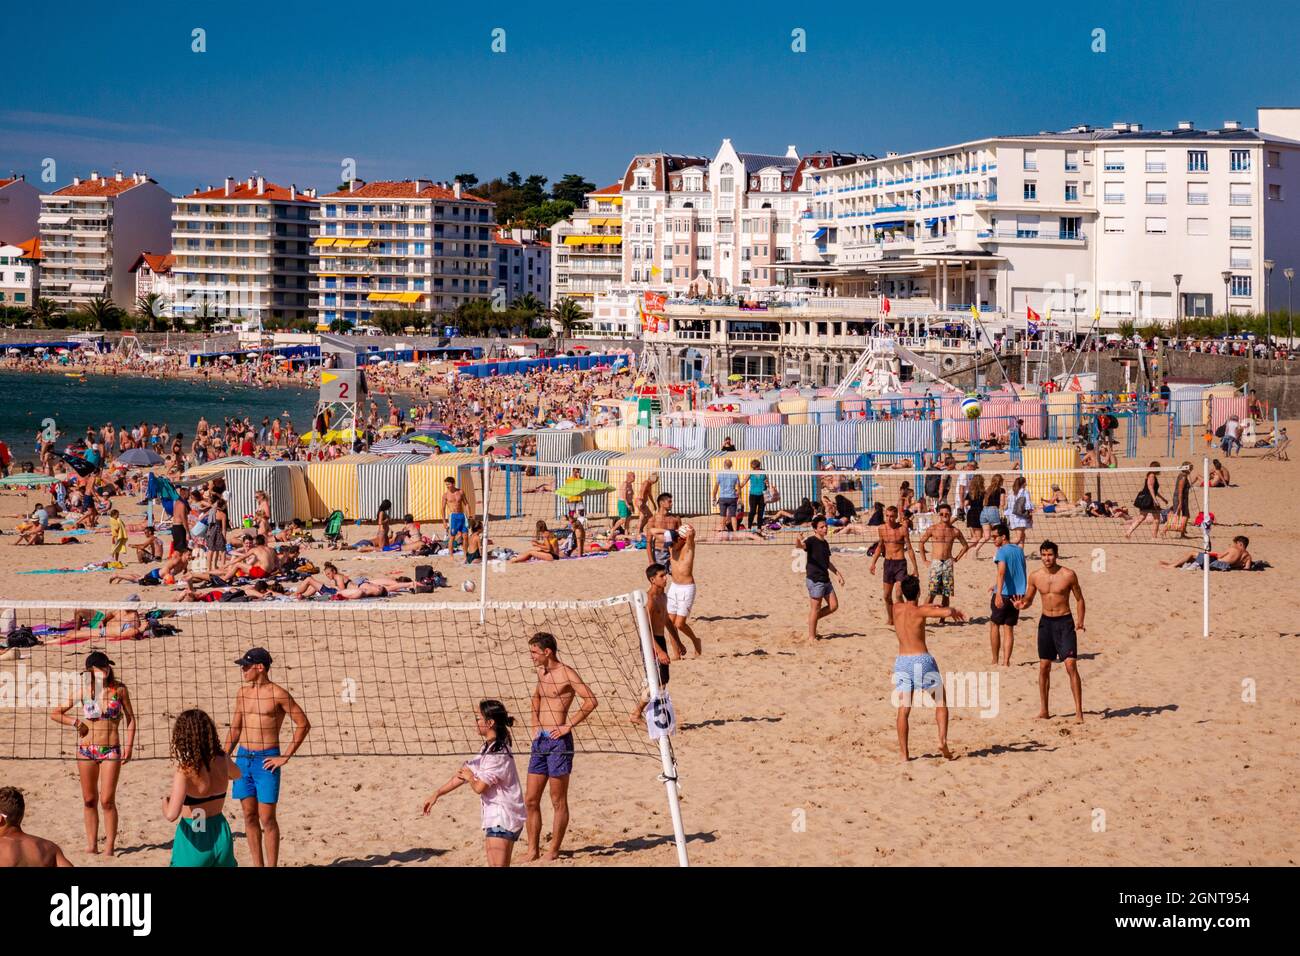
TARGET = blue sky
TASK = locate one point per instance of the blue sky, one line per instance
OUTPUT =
(291, 90)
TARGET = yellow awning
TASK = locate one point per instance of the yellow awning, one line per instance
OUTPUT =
(598, 222)
(324, 241)
(409, 296)
(614, 200)
(592, 240)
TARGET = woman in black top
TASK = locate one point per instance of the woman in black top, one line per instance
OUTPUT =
(1178, 514)
(1145, 502)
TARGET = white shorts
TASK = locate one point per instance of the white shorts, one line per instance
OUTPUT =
(681, 598)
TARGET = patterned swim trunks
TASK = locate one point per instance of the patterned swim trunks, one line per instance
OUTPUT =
(941, 578)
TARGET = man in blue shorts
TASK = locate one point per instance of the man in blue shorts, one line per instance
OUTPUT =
(453, 506)
(260, 709)
(551, 759)
(914, 668)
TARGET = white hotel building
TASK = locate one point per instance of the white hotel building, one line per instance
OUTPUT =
(93, 231)
(1127, 220)
(242, 252)
(587, 249)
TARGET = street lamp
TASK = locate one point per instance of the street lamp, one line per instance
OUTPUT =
(1227, 278)
(1137, 287)
(1178, 305)
(1290, 329)
(1268, 316)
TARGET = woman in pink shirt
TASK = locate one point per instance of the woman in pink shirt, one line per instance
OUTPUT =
(493, 776)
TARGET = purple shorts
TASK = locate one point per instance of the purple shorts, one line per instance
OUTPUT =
(551, 756)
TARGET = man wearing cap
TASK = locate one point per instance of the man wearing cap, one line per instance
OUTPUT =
(260, 709)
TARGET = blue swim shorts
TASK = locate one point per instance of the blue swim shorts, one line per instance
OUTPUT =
(916, 672)
(256, 780)
(551, 756)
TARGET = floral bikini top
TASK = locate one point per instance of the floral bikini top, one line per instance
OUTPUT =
(110, 711)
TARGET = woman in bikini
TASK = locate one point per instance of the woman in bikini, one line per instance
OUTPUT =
(334, 582)
(104, 705)
(545, 547)
(474, 543)
(198, 793)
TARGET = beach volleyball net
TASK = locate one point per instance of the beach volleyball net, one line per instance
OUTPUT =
(1069, 505)
(393, 680)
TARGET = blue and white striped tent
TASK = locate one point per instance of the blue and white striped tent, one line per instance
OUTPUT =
(913, 435)
(875, 436)
(800, 438)
(562, 444)
(793, 488)
(689, 438)
(838, 442)
(242, 485)
(690, 490)
(765, 437)
(378, 481)
(715, 435)
(593, 465)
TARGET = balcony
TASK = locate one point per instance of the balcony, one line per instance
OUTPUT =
(1238, 200)
(1057, 235)
(1114, 197)
(1198, 199)
(1239, 232)
(1154, 199)
(1113, 167)
(1156, 167)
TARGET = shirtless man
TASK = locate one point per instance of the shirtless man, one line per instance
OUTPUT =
(896, 546)
(660, 621)
(1057, 638)
(18, 848)
(453, 508)
(1236, 558)
(551, 759)
(180, 521)
(660, 530)
(642, 503)
(260, 709)
(914, 668)
(942, 536)
(626, 506)
(681, 592)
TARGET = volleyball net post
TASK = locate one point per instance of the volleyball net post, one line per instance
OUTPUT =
(483, 541)
(1206, 522)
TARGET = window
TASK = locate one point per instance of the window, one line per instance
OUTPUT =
(1198, 227)
(1239, 228)
(1031, 191)
(1113, 224)
(1114, 192)
(1239, 194)
(1071, 227)
(1274, 158)
(1157, 225)
(1071, 160)
(1198, 161)
(1239, 160)
(1031, 160)
(1275, 191)
(1156, 161)
(1240, 257)
(1113, 160)
(1071, 192)
(1240, 287)
(1156, 194)
(1198, 194)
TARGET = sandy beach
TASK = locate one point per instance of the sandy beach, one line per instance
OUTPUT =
(787, 751)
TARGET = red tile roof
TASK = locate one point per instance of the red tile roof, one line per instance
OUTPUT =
(506, 241)
(613, 190)
(402, 190)
(31, 248)
(158, 262)
(103, 186)
(6, 182)
(241, 190)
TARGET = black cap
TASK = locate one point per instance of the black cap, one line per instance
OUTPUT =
(255, 655)
(97, 659)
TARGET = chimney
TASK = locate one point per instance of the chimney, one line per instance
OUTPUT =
(1135, 127)
(94, 175)
(1119, 127)
(76, 180)
(455, 189)
(1231, 124)
(118, 175)
(1185, 124)
(791, 153)
(261, 185)
(293, 192)
(249, 182)
(352, 185)
(230, 185)
(419, 184)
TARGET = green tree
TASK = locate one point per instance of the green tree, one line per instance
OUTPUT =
(543, 216)
(100, 313)
(467, 180)
(567, 317)
(43, 313)
(572, 188)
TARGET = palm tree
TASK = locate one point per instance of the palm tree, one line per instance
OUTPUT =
(42, 312)
(567, 317)
(101, 313)
(528, 307)
(151, 310)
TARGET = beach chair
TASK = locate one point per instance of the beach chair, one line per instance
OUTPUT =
(334, 528)
(1278, 451)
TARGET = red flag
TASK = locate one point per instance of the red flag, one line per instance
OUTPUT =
(884, 305)
(1031, 315)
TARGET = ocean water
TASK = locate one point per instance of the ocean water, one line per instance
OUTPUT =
(27, 399)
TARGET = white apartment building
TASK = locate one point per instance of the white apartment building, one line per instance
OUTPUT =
(1143, 225)
(20, 267)
(728, 225)
(243, 251)
(93, 231)
(20, 208)
(587, 249)
(413, 244)
(154, 276)
(523, 265)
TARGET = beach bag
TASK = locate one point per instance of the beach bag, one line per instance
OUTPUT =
(1144, 501)
(22, 637)
(200, 528)
(932, 485)
(1219, 432)
(1018, 506)
(233, 596)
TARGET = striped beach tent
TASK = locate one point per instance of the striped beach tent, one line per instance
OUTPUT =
(334, 485)
(766, 418)
(242, 485)
(561, 444)
(612, 438)
(762, 436)
(687, 438)
(642, 463)
(426, 482)
(875, 436)
(218, 466)
(685, 476)
(911, 435)
(837, 438)
(715, 435)
(301, 498)
(793, 488)
(739, 464)
(823, 410)
(380, 481)
(593, 465)
(800, 438)
(1224, 406)
(853, 408)
(795, 410)
(1046, 456)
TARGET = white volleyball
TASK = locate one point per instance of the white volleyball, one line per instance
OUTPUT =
(970, 407)
(467, 586)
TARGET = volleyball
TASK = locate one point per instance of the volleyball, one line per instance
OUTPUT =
(970, 407)
(468, 585)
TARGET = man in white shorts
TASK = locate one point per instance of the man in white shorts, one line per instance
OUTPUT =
(681, 592)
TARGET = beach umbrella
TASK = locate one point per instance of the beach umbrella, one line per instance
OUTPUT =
(140, 458)
(735, 377)
(79, 465)
(577, 487)
(27, 479)
(391, 446)
(14, 352)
